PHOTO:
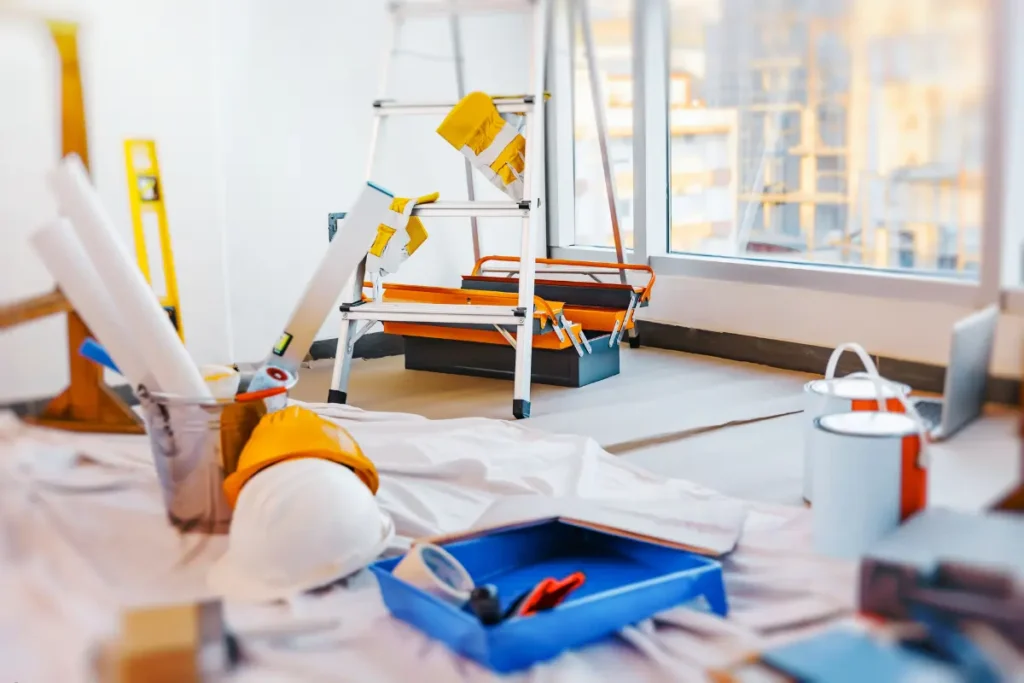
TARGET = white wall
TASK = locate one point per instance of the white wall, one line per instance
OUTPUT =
(299, 79)
(147, 73)
(32, 362)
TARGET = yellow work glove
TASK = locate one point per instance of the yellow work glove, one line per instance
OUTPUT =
(493, 145)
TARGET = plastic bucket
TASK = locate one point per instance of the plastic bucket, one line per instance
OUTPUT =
(842, 395)
(866, 480)
(855, 392)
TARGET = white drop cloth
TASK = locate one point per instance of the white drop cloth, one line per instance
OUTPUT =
(70, 558)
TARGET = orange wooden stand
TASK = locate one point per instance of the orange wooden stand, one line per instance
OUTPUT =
(87, 404)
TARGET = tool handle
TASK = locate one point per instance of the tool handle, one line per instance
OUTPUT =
(261, 394)
(95, 352)
(865, 359)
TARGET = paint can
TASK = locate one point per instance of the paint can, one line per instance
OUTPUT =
(848, 394)
(867, 479)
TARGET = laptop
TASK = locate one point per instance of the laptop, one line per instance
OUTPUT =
(963, 394)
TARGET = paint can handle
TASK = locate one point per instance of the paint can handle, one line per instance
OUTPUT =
(865, 359)
(881, 384)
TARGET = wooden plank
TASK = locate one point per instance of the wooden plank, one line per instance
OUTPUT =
(87, 404)
(31, 309)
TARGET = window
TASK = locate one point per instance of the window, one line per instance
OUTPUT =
(838, 132)
(612, 31)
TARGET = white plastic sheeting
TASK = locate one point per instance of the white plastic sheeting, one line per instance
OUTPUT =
(70, 557)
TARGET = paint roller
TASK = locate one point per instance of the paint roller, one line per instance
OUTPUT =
(159, 349)
(374, 208)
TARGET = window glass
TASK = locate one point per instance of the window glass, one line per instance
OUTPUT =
(839, 132)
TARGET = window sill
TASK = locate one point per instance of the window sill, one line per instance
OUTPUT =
(873, 283)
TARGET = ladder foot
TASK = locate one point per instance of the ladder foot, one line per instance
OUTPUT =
(634, 342)
(520, 408)
(335, 396)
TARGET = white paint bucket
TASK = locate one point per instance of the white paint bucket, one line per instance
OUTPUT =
(849, 394)
(867, 478)
(858, 391)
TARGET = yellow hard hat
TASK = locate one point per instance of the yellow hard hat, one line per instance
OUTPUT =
(297, 432)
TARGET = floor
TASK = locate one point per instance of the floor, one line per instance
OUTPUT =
(677, 414)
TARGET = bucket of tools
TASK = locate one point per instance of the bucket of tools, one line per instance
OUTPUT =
(196, 444)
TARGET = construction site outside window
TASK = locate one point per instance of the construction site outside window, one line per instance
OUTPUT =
(860, 151)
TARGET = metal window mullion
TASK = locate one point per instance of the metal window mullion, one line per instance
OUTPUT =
(561, 142)
(650, 129)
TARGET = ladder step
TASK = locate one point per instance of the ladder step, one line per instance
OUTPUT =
(468, 209)
(514, 270)
(429, 8)
(433, 313)
(504, 105)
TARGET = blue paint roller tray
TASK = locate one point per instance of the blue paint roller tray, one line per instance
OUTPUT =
(627, 581)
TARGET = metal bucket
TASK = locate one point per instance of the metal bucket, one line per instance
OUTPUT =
(842, 395)
(866, 479)
(195, 444)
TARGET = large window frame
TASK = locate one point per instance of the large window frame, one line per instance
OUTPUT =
(651, 175)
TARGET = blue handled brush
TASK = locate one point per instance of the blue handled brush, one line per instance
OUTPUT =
(95, 352)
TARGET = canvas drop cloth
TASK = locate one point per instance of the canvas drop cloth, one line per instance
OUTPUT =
(78, 542)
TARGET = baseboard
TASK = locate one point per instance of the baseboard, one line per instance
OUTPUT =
(36, 406)
(806, 358)
(371, 345)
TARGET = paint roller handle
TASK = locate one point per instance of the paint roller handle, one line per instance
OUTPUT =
(261, 394)
(865, 359)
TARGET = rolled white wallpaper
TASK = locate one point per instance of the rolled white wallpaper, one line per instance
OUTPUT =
(64, 256)
(159, 347)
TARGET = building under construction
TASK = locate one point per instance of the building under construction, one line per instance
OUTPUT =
(833, 131)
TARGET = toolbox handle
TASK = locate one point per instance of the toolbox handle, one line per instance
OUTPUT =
(644, 295)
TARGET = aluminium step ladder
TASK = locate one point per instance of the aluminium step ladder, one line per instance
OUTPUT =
(358, 316)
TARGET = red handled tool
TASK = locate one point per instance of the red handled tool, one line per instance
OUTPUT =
(260, 394)
(547, 594)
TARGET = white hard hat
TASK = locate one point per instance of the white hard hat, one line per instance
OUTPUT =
(298, 525)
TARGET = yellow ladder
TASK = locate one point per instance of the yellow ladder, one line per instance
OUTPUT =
(145, 194)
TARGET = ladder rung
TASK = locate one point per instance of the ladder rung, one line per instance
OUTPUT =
(480, 209)
(514, 270)
(504, 105)
(434, 313)
(428, 8)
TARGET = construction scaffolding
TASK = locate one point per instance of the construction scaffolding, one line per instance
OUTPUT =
(858, 130)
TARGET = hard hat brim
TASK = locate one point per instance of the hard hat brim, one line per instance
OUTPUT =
(233, 582)
(359, 464)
